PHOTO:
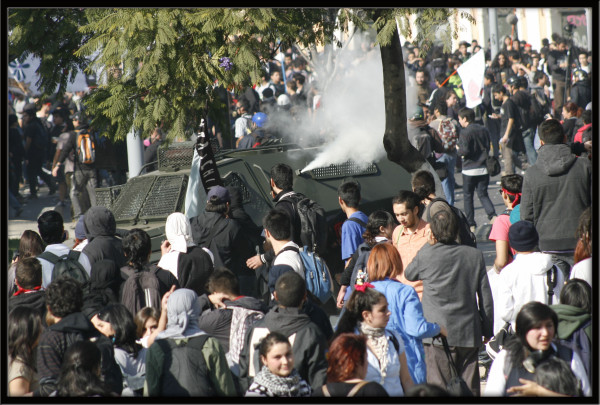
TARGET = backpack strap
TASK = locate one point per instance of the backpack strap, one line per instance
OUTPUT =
(288, 248)
(358, 221)
(357, 388)
(51, 257)
(326, 391)
(551, 281)
(395, 342)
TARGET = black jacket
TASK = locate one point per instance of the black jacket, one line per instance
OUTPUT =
(56, 339)
(581, 93)
(100, 230)
(34, 300)
(474, 146)
(217, 321)
(226, 236)
(309, 345)
(193, 269)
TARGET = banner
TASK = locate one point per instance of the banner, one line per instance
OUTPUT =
(472, 73)
(209, 173)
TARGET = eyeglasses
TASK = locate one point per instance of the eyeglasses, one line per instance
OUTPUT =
(501, 191)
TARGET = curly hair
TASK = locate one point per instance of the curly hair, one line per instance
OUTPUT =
(137, 247)
(347, 353)
(64, 296)
(377, 219)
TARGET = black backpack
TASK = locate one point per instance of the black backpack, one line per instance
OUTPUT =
(141, 289)
(313, 223)
(465, 236)
(68, 265)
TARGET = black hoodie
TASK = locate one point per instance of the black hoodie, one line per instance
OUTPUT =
(100, 230)
(55, 341)
(34, 300)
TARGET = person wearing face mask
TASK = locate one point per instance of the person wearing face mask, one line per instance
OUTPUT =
(515, 365)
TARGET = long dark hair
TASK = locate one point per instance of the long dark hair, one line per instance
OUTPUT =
(24, 329)
(376, 220)
(358, 302)
(529, 317)
(124, 326)
(79, 373)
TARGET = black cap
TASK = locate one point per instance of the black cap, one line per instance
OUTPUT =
(522, 236)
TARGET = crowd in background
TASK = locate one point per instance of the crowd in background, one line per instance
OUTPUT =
(417, 304)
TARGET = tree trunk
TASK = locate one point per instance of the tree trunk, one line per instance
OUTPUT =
(395, 139)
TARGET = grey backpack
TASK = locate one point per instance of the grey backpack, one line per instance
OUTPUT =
(141, 289)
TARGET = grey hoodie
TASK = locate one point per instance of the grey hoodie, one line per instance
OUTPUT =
(556, 190)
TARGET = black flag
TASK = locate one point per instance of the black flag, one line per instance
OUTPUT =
(209, 173)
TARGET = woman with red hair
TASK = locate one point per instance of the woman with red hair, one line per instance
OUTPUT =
(347, 369)
(384, 267)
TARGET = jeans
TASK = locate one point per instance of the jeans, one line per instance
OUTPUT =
(83, 190)
(449, 182)
(479, 183)
(493, 126)
(528, 136)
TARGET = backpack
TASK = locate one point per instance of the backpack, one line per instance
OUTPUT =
(185, 372)
(141, 289)
(537, 110)
(313, 223)
(465, 236)
(316, 274)
(86, 148)
(579, 342)
(448, 133)
(242, 319)
(68, 265)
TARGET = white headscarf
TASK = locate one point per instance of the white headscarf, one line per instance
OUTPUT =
(183, 310)
(179, 232)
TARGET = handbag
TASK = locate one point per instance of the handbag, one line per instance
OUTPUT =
(457, 386)
(493, 166)
(492, 163)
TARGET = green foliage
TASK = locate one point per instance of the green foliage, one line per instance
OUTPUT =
(161, 65)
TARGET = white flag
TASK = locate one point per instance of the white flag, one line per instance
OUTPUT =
(471, 74)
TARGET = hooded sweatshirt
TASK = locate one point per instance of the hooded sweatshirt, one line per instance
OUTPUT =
(100, 229)
(54, 343)
(308, 345)
(524, 280)
(556, 190)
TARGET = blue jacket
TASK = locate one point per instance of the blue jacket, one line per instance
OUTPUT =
(407, 319)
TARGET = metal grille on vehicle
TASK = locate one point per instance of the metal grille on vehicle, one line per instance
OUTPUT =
(107, 196)
(348, 168)
(177, 155)
(132, 197)
(166, 196)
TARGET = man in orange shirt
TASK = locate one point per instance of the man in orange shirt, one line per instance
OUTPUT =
(412, 233)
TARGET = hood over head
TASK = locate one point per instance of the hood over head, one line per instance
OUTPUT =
(99, 221)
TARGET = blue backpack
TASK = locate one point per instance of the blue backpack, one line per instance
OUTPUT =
(316, 273)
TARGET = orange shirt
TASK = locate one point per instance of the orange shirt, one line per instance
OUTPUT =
(408, 244)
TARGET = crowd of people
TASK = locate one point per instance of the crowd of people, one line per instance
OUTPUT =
(214, 317)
